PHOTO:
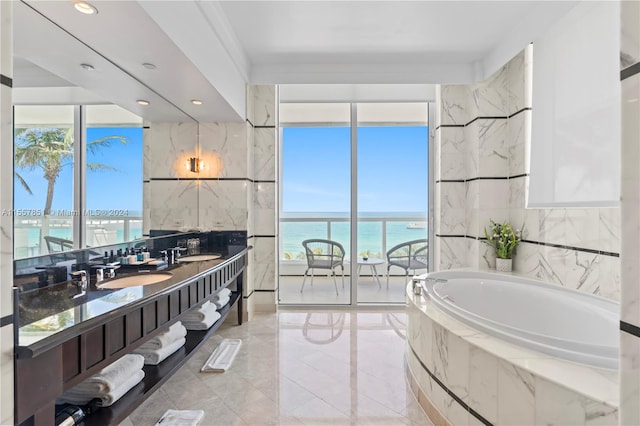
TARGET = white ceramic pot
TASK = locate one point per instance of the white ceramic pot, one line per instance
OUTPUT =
(504, 265)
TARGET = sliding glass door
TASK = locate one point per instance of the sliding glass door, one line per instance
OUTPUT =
(315, 204)
(392, 198)
(332, 164)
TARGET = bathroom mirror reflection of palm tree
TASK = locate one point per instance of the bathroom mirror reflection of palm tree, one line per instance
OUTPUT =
(35, 69)
(50, 150)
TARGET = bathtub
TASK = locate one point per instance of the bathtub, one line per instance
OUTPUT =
(560, 322)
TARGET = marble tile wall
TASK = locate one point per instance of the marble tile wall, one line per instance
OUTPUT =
(170, 195)
(236, 190)
(444, 362)
(218, 200)
(6, 221)
(630, 212)
(262, 100)
(483, 140)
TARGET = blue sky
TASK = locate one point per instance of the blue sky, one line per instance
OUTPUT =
(392, 169)
(392, 172)
(119, 189)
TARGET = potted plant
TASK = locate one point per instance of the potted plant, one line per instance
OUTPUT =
(504, 239)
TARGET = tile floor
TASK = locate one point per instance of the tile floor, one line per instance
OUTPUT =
(323, 290)
(299, 368)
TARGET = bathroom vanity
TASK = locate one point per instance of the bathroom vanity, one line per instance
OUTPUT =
(58, 351)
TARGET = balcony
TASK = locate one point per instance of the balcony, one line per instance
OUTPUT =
(376, 234)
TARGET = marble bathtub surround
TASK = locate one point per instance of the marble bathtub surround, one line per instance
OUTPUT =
(482, 172)
(495, 382)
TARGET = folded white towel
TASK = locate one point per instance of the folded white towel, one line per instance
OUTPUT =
(181, 418)
(112, 376)
(198, 314)
(203, 324)
(222, 302)
(225, 292)
(166, 338)
(74, 396)
(156, 356)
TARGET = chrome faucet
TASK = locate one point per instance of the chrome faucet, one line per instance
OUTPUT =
(79, 279)
(104, 272)
(99, 273)
(416, 284)
(110, 271)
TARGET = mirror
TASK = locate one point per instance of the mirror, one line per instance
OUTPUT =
(66, 92)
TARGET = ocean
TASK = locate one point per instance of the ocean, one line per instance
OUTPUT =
(400, 227)
(296, 227)
(27, 239)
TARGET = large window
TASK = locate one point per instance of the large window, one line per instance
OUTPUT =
(114, 160)
(316, 194)
(356, 174)
(67, 174)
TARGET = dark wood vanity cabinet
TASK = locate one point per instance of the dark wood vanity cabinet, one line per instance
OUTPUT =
(44, 371)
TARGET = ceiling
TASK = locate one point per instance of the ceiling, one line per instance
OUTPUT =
(210, 50)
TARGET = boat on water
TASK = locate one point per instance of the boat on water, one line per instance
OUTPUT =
(417, 225)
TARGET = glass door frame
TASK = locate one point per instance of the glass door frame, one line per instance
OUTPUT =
(353, 214)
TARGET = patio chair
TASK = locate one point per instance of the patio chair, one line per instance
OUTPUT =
(408, 255)
(323, 254)
(323, 332)
(58, 245)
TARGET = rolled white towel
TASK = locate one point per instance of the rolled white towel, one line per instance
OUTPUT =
(198, 314)
(112, 376)
(204, 324)
(222, 302)
(224, 293)
(156, 356)
(166, 338)
(106, 398)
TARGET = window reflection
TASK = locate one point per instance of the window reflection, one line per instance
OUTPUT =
(46, 150)
(43, 179)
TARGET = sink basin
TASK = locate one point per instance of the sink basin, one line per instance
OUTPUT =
(199, 257)
(136, 280)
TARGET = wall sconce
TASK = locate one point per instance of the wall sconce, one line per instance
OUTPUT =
(194, 164)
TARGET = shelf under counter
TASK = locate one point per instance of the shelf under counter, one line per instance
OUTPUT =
(156, 375)
(61, 361)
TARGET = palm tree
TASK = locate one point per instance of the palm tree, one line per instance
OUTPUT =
(51, 149)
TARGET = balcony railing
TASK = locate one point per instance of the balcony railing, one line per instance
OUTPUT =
(376, 234)
(100, 230)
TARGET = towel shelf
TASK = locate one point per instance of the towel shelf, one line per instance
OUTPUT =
(156, 375)
(83, 354)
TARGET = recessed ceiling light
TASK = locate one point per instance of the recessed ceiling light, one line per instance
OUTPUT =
(143, 102)
(84, 7)
(196, 101)
(149, 66)
(87, 67)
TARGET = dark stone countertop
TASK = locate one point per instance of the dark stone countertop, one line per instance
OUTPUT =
(47, 311)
